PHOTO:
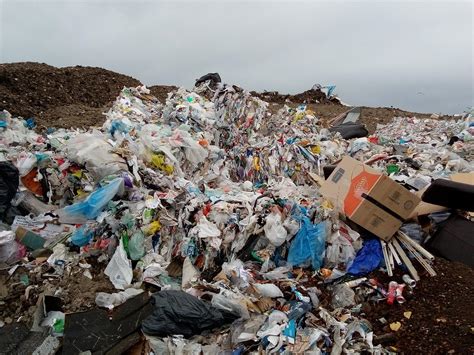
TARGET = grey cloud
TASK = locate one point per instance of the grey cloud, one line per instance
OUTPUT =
(377, 53)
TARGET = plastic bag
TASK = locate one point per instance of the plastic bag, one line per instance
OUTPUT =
(308, 245)
(9, 181)
(176, 312)
(342, 296)
(278, 273)
(351, 130)
(111, 300)
(236, 272)
(224, 302)
(93, 151)
(82, 236)
(340, 249)
(189, 273)
(91, 207)
(119, 268)
(194, 152)
(8, 247)
(28, 201)
(268, 290)
(368, 258)
(55, 320)
(136, 246)
(207, 229)
(274, 230)
(25, 163)
(242, 331)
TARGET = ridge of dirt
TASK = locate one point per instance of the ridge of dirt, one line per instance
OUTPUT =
(32, 89)
(161, 91)
(78, 96)
(306, 97)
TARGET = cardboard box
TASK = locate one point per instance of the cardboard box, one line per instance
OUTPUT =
(369, 198)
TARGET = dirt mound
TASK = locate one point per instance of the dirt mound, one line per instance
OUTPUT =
(161, 91)
(75, 115)
(307, 97)
(33, 89)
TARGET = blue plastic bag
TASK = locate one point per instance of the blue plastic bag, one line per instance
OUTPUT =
(368, 258)
(118, 126)
(82, 236)
(91, 207)
(330, 90)
(30, 123)
(308, 244)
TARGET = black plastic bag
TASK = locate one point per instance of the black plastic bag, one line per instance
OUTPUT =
(454, 240)
(213, 77)
(9, 180)
(450, 194)
(176, 312)
(351, 130)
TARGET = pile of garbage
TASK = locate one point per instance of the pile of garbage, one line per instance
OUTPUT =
(216, 226)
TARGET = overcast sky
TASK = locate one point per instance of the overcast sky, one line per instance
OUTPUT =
(412, 55)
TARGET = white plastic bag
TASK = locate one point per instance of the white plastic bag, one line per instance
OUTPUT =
(279, 273)
(93, 151)
(342, 296)
(8, 247)
(207, 229)
(274, 230)
(25, 163)
(268, 290)
(119, 269)
(225, 302)
(111, 300)
(189, 273)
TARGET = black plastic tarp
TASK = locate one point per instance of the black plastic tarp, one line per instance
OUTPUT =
(351, 130)
(100, 331)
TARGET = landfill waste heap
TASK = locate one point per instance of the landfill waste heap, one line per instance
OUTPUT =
(216, 226)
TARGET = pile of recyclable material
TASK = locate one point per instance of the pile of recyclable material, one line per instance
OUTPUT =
(209, 225)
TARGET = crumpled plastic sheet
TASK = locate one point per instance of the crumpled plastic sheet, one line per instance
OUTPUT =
(368, 258)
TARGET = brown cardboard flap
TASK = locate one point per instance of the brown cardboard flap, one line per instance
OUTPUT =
(465, 178)
(376, 220)
(394, 197)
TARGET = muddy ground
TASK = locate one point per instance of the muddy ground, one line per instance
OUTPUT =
(442, 312)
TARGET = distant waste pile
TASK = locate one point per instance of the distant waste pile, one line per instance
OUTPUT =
(196, 225)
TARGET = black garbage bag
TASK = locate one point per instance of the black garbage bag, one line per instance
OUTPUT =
(351, 130)
(9, 180)
(454, 240)
(176, 312)
(450, 194)
(213, 77)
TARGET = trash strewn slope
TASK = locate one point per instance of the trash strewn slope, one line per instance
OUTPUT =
(207, 222)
